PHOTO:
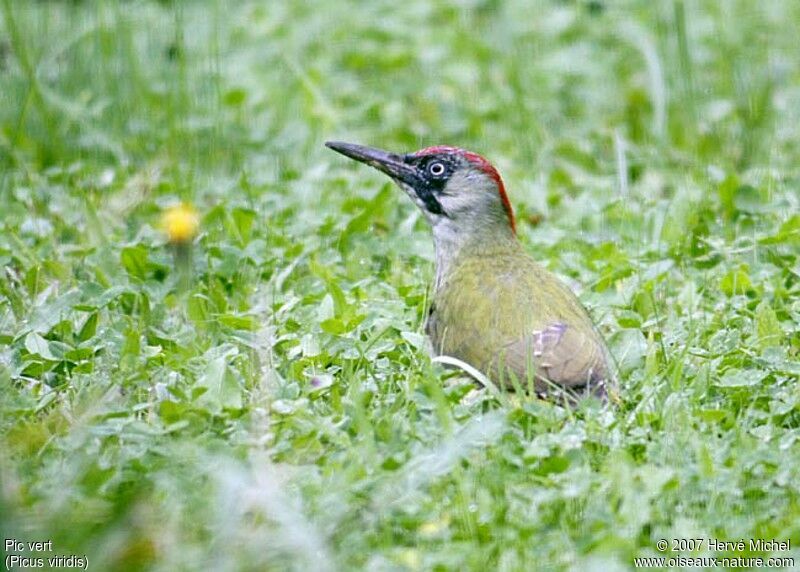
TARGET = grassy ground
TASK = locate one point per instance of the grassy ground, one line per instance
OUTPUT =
(282, 411)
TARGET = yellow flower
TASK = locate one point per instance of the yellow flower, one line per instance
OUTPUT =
(180, 223)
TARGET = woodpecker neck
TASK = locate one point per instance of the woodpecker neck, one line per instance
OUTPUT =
(477, 238)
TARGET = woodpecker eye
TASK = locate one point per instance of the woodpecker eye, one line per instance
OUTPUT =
(436, 169)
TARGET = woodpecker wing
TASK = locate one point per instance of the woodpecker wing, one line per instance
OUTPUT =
(558, 354)
(506, 315)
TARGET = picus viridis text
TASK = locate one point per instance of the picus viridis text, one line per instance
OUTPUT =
(493, 306)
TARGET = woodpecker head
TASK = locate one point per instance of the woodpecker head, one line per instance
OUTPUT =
(458, 191)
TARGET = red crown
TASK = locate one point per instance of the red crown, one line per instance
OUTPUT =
(482, 164)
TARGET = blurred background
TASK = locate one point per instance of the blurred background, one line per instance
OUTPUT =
(218, 84)
(275, 406)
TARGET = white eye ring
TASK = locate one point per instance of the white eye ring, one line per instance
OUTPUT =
(436, 169)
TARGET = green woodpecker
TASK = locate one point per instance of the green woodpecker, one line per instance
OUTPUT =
(493, 306)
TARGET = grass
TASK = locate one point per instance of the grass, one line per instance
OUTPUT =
(282, 411)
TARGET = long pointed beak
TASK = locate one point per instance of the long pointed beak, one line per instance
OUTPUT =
(389, 163)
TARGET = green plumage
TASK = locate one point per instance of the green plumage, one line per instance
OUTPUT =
(501, 312)
(493, 306)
